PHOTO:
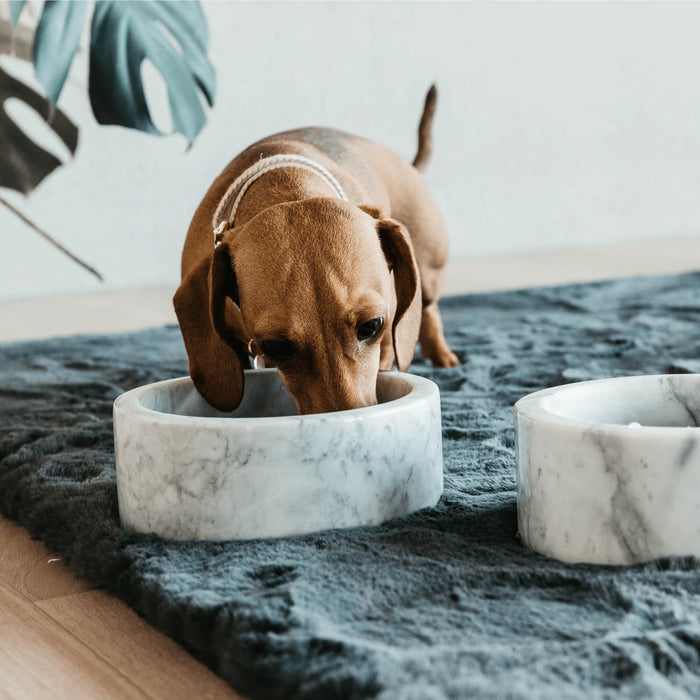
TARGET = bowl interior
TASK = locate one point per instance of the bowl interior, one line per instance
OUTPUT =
(662, 401)
(265, 396)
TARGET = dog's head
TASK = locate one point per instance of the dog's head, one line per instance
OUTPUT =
(315, 285)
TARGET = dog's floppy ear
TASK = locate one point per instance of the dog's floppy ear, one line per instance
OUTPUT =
(205, 304)
(398, 252)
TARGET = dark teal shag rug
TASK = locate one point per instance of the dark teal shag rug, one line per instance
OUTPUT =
(442, 604)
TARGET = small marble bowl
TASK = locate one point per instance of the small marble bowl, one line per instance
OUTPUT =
(187, 471)
(609, 470)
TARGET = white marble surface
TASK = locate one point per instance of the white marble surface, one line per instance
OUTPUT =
(187, 471)
(609, 470)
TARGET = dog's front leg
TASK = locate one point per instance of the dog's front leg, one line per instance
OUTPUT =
(433, 345)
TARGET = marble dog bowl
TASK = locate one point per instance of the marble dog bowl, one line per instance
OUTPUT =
(188, 471)
(609, 470)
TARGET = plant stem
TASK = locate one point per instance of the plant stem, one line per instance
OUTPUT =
(50, 239)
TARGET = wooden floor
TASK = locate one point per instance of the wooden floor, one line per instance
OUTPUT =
(59, 638)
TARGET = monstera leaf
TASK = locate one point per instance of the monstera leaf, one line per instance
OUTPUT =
(24, 164)
(55, 43)
(172, 35)
(126, 33)
(16, 7)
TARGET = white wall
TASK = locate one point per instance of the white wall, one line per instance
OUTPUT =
(558, 125)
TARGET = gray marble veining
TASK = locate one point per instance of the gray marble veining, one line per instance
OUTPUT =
(187, 471)
(609, 470)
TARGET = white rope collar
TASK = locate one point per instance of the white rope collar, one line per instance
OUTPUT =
(226, 211)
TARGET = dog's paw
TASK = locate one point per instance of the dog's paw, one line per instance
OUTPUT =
(445, 358)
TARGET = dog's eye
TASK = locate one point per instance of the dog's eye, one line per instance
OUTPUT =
(278, 350)
(370, 329)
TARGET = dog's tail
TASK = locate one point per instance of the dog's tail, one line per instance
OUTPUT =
(425, 134)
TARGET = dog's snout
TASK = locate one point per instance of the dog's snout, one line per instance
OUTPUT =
(315, 401)
(314, 405)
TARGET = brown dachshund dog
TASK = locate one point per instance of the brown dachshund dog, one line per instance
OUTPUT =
(322, 253)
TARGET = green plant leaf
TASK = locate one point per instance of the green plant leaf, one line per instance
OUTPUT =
(24, 164)
(56, 41)
(123, 35)
(16, 7)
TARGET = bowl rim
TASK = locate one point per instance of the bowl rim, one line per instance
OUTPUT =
(533, 407)
(422, 388)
